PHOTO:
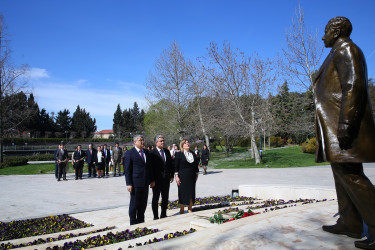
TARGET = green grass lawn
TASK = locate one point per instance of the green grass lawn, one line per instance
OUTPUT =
(239, 158)
(46, 168)
(274, 158)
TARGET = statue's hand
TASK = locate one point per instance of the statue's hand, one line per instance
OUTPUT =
(344, 136)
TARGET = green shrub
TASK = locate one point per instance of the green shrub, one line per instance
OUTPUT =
(289, 141)
(213, 147)
(13, 162)
(244, 142)
(309, 146)
(276, 141)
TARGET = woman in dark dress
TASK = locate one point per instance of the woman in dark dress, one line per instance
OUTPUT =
(205, 157)
(186, 172)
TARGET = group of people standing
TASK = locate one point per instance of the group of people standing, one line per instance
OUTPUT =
(100, 161)
(158, 168)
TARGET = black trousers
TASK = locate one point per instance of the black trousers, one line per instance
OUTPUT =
(62, 171)
(138, 204)
(355, 195)
(161, 188)
(106, 166)
(78, 166)
(92, 170)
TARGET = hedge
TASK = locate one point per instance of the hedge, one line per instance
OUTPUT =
(18, 141)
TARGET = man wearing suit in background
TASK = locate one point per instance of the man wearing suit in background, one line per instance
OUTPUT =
(56, 162)
(90, 153)
(62, 159)
(117, 155)
(138, 177)
(345, 131)
(78, 161)
(107, 159)
(163, 172)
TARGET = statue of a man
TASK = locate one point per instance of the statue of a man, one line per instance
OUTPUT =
(345, 130)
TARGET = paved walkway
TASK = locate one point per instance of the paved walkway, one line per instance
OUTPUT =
(41, 195)
(103, 202)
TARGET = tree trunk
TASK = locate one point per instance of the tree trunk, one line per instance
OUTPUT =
(202, 126)
(253, 142)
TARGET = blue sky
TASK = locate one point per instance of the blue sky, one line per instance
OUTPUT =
(99, 53)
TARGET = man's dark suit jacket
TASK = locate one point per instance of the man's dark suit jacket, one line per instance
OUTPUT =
(77, 156)
(61, 156)
(137, 172)
(90, 157)
(108, 158)
(159, 170)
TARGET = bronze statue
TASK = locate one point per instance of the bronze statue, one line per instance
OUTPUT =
(345, 131)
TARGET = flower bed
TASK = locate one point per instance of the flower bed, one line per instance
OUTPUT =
(166, 237)
(214, 199)
(109, 238)
(269, 205)
(50, 239)
(40, 226)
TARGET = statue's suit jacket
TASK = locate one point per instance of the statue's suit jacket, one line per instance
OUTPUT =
(341, 96)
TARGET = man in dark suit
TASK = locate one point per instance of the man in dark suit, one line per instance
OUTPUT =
(90, 154)
(107, 159)
(163, 172)
(56, 162)
(138, 177)
(78, 161)
(345, 130)
(62, 159)
(117, 155)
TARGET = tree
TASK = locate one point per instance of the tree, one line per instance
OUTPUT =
(197, 79)
(118, 122)
(302, 53)
(242, 82)
(46, 123)
(82, 121)
(169, 81)
(160, 119)
(12, 82)
(63, 122)
(371, 90)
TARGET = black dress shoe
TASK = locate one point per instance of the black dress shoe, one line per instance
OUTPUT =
(365, 244)
(156, 218)
(163, 216)
(340, 229)
(58, 180)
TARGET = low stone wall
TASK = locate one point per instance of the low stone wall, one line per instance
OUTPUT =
(286, 192)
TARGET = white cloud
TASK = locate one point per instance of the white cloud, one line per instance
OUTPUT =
(37, 73)
(372, 53)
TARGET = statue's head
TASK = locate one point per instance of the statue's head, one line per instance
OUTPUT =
(337, 27)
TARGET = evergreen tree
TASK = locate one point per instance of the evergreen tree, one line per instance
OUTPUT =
(82, 123)
(46, 123)
(127, 122)
(32, 123)
(118, 122)
(63, 121)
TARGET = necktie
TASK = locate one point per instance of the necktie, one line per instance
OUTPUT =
(162, 155)
(80, 153)
(142, 156)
